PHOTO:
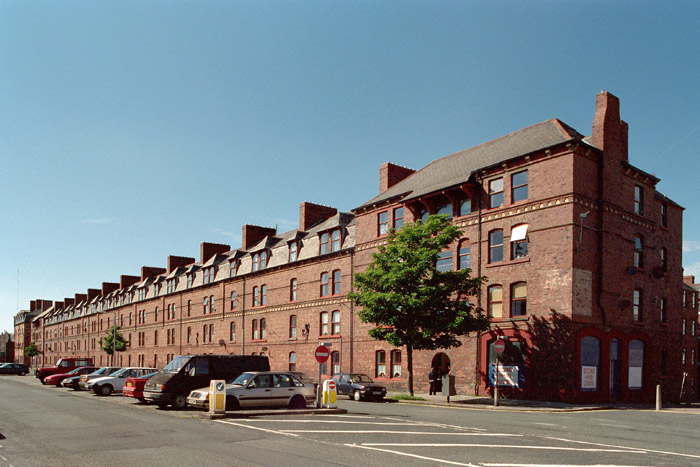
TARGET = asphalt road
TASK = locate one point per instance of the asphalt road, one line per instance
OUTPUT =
(51, 426)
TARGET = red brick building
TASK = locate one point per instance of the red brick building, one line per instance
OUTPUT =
(582, 256)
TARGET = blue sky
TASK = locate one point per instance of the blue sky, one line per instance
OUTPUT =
(131, 130)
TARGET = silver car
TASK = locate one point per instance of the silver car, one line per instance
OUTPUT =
(261, 389)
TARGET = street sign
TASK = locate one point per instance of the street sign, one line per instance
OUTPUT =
(322, 354)
(499, 346)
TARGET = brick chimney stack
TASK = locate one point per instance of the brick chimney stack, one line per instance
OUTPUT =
(175, 262)
(207, 250)
(92, 293)
(148, 271)
(79, 297)
(68, 302)
(311, 214)
(126, 281)
(109, 287)
(252, 234)
(609, 132)
(391, 174)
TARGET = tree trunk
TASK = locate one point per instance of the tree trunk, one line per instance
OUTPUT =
(409, 363)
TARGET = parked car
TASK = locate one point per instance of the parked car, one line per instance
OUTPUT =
(358, 386)
(134, 386)
(261, 389)
(14, 369)
(64, 365)
(58, 378)
(115, 382)
(184, 373)
(104, 371)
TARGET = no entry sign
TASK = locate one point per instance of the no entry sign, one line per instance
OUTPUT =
(322, 354)
(499, 346)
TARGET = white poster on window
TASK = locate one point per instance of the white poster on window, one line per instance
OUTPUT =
(635, 377)
(589, 377)
(508, 376)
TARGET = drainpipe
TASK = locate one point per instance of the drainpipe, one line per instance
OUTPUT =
(477, 367)
(243, 320)
(352, 310)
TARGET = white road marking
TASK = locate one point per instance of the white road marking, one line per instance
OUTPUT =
(626, 447)
(257, 428)
(504, 446)
(416, 456)
(505, 435)
(456, 427)
(347, 422)
(560, 465)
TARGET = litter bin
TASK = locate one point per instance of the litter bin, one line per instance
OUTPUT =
(448, 386)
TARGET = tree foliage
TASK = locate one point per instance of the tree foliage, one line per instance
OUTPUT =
(31, 350)
(113, 340)
(412, 303)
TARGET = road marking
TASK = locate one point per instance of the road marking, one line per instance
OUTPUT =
(416, 456)
(504, 446)
(444, 425)
(345, 422)
(504, 435)
(257, 428)
(626, 447)
(560, 465)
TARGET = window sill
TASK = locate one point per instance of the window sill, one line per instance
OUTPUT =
(329, 336)
(510, 318)
(292, 339)
(255, 341)
(509, 262)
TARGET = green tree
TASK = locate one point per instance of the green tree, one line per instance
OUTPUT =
(112, 341)
(31, 351)
(411, 303)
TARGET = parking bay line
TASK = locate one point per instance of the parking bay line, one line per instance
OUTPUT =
(393, 432)
(257, 428)
(415, 456)
(626, 447)
(503, 446)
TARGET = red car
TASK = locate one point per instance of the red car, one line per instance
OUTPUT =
(59, 377)
(134, 386)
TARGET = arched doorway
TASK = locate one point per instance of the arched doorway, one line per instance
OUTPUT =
(441, 364)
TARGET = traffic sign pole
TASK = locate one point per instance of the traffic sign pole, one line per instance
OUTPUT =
(499, 346)
(321, 353)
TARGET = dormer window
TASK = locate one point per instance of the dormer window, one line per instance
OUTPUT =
(293, 247)
(190, 280)
(142, 293)
(259, 260)
(156, 289)
(172, 284)
(335, 240)
(209, 274)
(233, 268)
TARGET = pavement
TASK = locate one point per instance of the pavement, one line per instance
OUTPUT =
(487, 403)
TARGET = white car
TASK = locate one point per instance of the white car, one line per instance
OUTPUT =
(261, 389)
(115, 382)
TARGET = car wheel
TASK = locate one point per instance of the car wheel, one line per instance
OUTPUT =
(297, 403)
(105, 390)
(357, 395)
(42, 381)
(162, 405)
(180, 401)
(23, 373)
(232, 403)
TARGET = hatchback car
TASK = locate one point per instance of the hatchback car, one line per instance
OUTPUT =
(80, 383)
(134, 386)
(58, 378)
(261, 389)
(358, 386)
(14, 369)
(117, 380)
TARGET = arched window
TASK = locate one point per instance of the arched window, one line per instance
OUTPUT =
(324, 284)
(233, 300)
(638, 251)
(518, 299)
(336, 282)
(335, 362)
(256, 296)
(636, 364)
(292, 290)
(232, 332)
(256, 261)
(335, 322)
(323, 330)
(495, 246)
(465, 255)
(380, 364)
(445, 207)
(256, 331)
(293, 251)
(395, 363)
(263, 295)
(637, 306)
(518, 241)
(292, 361)
(465, 207)
(335, 240)
(293, 326)
(263, 328)
(495, 301)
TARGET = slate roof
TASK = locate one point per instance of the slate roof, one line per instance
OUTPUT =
(460, 166)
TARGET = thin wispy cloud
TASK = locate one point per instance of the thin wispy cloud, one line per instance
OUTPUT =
(234, 236)
(102, 220)
(690, 246)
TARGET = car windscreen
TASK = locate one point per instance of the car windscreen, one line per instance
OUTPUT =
(361, 379)
(176, 364)
(243, 379)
